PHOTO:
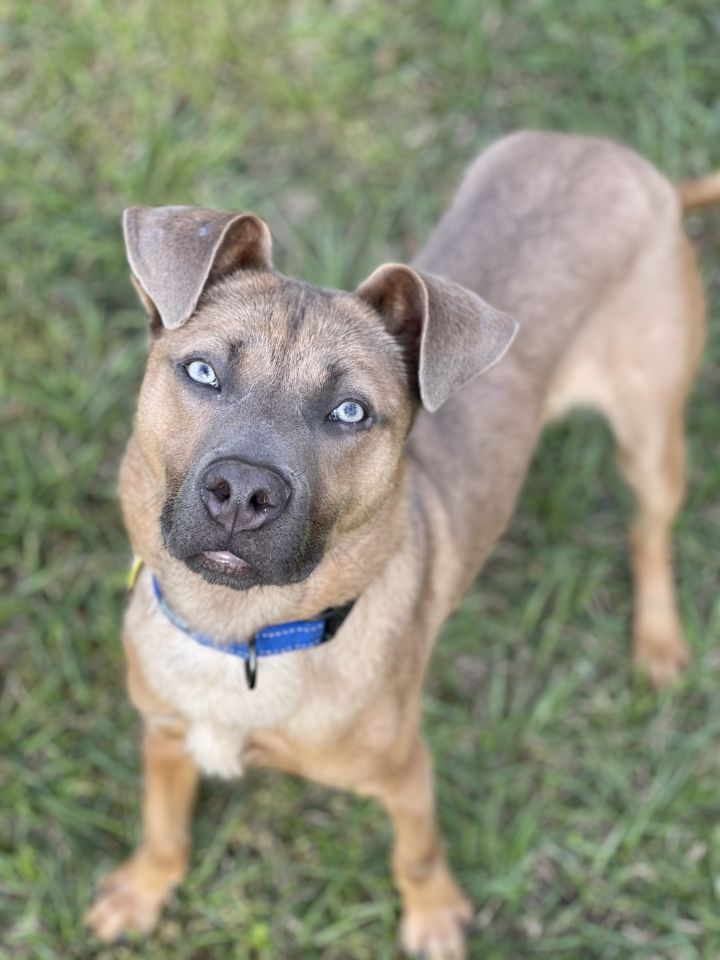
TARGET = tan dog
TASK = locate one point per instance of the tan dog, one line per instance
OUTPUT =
(298, 449)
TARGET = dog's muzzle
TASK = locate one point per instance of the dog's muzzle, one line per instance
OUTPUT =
(241, 523)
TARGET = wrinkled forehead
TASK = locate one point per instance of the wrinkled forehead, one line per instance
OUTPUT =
(291, 336)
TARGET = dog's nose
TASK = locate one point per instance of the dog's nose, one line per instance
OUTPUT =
(240, 496)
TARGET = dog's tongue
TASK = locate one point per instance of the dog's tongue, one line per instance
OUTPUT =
(226, 558)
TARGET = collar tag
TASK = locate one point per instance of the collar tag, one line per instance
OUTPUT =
(134, 572)
(251, 664)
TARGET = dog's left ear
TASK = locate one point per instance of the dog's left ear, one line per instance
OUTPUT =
(176, 252)
(449, 333)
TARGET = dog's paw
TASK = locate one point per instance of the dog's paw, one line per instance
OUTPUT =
(131, 898)
(437, 933)
(662, 659)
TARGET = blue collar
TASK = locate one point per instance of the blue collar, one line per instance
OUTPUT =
(282, 638)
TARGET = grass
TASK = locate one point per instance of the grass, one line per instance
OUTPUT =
(580, 809)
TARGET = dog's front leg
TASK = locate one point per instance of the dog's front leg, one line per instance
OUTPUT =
(131, 898)
(435, 910)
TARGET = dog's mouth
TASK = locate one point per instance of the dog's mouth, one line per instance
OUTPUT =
(249, 561)
(226, 561)
(224, 568)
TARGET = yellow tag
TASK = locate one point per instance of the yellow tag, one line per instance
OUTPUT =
(134, 572)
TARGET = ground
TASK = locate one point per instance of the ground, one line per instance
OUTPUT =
(580, 808)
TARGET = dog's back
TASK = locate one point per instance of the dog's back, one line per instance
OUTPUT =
(582, 240)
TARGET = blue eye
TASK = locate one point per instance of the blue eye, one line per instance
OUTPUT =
(202, 372)
(349, 411)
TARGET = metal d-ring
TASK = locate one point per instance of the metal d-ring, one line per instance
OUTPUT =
(251, 664)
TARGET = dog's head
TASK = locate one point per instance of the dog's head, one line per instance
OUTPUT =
(273, 414)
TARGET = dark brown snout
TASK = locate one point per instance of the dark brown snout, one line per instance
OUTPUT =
(242, 496)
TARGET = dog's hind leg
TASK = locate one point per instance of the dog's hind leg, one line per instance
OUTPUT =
(649, 391)
(652, 461)
(635, 362)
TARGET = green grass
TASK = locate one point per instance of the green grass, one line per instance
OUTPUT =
(580, 809)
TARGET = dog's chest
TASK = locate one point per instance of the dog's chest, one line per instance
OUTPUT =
(209, 691)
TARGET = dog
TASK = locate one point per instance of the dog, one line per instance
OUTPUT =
(316, 477)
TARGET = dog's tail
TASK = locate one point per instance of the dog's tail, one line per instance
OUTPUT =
(699, 193)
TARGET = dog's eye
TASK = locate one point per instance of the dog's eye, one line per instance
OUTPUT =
(202, 372)
(349, 411)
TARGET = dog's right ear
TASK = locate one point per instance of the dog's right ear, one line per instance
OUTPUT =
(176, 252)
